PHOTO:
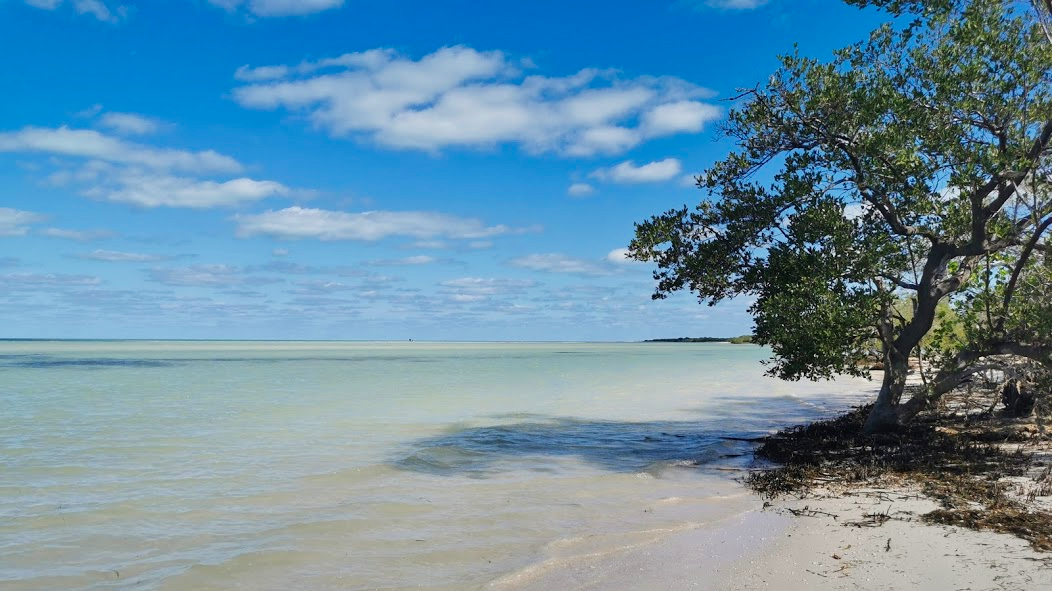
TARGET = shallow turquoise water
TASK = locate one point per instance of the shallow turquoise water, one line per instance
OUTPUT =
(238, 465)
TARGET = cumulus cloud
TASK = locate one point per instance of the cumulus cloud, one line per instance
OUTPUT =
(16, 222)
(628, 172)
(460, 97)
(249, 74)
(96, 8)
(619, 256)
(679, 117)
(580, 190)
(115, 169)
(94, 145)
(561, 263)
(854, 211)
(129, 123)
(278, 8)
(300, 222)
(136, 187)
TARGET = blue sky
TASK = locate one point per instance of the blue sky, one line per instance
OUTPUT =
(364, 169)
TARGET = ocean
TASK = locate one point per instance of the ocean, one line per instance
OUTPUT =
(345, 465)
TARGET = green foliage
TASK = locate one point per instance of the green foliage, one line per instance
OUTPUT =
(896, 173)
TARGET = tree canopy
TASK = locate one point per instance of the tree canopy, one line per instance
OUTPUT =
(913, 166)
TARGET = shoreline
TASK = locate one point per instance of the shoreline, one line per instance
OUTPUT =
(831, 540)
(835, 537)
(839, 540)
(828, 542)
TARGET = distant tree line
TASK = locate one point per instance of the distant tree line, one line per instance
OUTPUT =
(733, 340)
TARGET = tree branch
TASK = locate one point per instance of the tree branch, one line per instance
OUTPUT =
(1023, 258)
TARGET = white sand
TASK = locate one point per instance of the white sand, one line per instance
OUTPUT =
(770, 549)
(825, 553)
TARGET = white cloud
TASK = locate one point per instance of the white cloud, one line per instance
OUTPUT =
(689, 180)
(628, 172)
(619, 256)
(115, 169)
(16, 222)
(460, 97)
(88, 143)
(280, 252)
(735, 4)
(679, 117)
(320, 286)
(129, 123)
(249, 74)
(422, 259)
(430, 244)
(300, 222)
(206, 276)
(476, 289)
(580, 190)
(113, 256)
(854, 210)
(78, 235)
(560, 263)
(198, 276)
(95, 8)
(277, 8)
(37, 280)
(137, 187)
(100, 11)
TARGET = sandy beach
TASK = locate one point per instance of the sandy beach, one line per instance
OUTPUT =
(830, 545)
(838, 547)
(838, 538)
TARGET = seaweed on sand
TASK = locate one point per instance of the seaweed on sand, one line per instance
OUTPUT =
(961, 462)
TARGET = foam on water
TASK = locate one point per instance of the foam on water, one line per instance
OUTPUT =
(213, 465)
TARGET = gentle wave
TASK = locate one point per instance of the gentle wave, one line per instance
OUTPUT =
(189, 466)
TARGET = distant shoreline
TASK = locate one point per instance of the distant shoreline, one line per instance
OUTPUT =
(741, 340)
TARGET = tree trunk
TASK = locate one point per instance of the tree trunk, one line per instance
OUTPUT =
(884, 416)
(1018, 399)
(888, 414)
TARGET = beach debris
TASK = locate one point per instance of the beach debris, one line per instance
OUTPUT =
(970, 462)
(809, 512)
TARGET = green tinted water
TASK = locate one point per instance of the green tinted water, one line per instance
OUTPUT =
(232, 465)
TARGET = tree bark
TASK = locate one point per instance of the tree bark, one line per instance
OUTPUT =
(887, 414)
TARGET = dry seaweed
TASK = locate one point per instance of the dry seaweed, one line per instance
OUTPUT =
(958, 460)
